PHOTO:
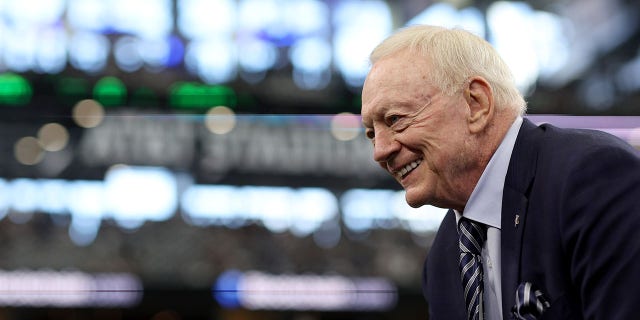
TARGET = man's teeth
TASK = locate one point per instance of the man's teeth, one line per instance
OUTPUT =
(408, 168)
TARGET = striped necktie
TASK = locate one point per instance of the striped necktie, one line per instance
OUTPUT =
(472, 237)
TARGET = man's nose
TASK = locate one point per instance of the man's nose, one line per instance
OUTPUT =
(385, 146)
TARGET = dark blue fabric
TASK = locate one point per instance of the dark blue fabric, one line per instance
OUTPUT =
(576, 197)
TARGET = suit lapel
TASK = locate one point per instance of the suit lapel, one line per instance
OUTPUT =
(514, 212)
(518, 181)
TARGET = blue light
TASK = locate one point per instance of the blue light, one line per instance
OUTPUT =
(269, 205)
(147, 19)
(33, 12)
(127, 54)
(226, 289)
(83, 231)
(210, 205)
(366, 209)
(155, 52)
(355, 36)
(446, 15)
(311, 80)
(20, 48)
(311, 207)
(255, 290)
(307, 17)
(361, 208)
(88, 15)
(87, 210)
(176, 52)
(255, 16)
(300, 211)
(54, 196)
(203, 19)
(89, 51)
(311, 55)
(214, 60)
(508, 21)
(136, 194)
(311, 59)
(256, 55)
(551, 44)
(24, 195)
(419, 220)
(51, 56)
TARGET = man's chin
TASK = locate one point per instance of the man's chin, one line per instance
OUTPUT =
(414, 202)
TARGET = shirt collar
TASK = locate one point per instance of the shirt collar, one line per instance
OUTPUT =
(485, 202)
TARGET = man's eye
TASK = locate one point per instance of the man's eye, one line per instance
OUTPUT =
(370, 135)
(392, 119)
(398, 123)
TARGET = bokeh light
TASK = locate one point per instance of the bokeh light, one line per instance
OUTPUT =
(64, 289)
(220, 120)
(110, 91)
(89, 51)
(28, 151)
(88, 113)
(14, 89)
(53, 137)
(355, 36)
(255, 290)
(127, 54)
(345, 126)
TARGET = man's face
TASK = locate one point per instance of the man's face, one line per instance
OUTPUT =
(419, 134)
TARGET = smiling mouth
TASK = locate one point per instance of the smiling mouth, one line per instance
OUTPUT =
(407, 169)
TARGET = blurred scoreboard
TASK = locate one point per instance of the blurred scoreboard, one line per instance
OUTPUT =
(316, 45)
(217, 41)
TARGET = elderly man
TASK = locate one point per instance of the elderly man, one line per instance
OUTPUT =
(544, 222)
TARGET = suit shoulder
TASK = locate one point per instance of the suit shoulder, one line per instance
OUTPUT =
(572, 141)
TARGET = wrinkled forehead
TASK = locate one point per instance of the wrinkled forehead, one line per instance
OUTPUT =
(399, 66)
(401, 71)
(398, 79)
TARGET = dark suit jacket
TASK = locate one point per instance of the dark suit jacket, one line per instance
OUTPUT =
(577, 196)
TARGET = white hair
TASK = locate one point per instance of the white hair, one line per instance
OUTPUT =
(455, 55)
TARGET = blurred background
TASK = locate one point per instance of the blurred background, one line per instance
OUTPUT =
(203, 159)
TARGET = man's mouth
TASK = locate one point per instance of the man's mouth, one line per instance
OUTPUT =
(408, 168)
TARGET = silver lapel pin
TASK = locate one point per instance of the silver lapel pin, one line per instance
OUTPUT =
(516, 221)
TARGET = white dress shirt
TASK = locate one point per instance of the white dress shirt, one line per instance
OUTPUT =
(485, 206)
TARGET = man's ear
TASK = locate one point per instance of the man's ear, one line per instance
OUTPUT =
(479, 96)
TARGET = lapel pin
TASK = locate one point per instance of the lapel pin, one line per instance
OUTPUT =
(516, 221)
